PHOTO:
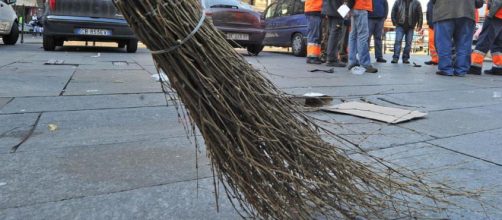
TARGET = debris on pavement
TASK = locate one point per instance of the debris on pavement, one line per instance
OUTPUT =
(497, 94)
(159, 76)
(52, 127)
(332, 70)
(416, 65)
(98, 55)
(358, 70)
(54, 62)
(375, 112)
(311, 101)
(3, 183)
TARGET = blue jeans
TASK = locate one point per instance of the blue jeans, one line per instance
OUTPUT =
(461, 30)
(400, 34)
(376, 30)
(358, 39)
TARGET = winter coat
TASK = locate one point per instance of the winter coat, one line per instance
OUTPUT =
(450, 9)
(330, 8)
(380, 9)
(415, 17)
(495, 6)
(313, 7)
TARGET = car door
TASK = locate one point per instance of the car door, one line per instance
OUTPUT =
(271, 17)
(298, 21)
(283, 22)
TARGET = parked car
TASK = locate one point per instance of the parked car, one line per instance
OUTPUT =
(286, 26)
(85, 20)
(241, 25)
(8, 22)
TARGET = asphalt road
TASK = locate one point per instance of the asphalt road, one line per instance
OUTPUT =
(96, 139)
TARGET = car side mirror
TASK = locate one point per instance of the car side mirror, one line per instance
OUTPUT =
(9, 2)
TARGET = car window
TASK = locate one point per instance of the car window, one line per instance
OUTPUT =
(285, 8)
(271, 11)
(299, 7)
(226, 4)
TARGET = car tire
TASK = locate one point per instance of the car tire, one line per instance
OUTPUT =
(49, 43)
(59, 43)
(255, 49)
(298, 45)
(12, 38)
(122, 45)
(132, 46)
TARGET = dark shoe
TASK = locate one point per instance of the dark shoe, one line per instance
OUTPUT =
(474, 70)
(406, 61)
(381, 60)
(430, 62)
(314, 60)
(371, 69)
(494, 71)
(394, 61)
(352, 66)
(460, 75)
(336, 64)
(443, 73)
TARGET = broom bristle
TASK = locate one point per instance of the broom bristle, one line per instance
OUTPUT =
(270, 157)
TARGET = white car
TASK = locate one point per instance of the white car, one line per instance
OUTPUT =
(9, 30)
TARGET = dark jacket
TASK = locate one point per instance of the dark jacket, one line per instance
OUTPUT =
(450, 9)
(494, 6)
(380, 9)
(330, 8)
(429, 15)
(415, 17)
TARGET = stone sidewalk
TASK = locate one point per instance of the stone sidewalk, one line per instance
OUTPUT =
(96, 139)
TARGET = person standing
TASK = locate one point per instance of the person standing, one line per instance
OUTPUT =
(432, 45)
(376, 24)
(454, 19)
(489, 39)
(335, 23)
(313, 13)
(358, 39)
(406, 16)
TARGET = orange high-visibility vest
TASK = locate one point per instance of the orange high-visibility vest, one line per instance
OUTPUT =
(366, 5)
(313, 5)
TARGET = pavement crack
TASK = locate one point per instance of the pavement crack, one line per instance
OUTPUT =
(107, 193)
(67, 83)
(34, 126)
(465, 154)
(9, 101)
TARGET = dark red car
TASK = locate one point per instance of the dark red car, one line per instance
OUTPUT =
(241, 25)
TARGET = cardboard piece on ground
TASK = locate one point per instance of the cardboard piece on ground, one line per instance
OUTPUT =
(375, 112)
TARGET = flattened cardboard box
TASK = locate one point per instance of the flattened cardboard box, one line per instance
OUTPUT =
(375, 112)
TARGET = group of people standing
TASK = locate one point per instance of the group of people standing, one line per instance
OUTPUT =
(451, 29)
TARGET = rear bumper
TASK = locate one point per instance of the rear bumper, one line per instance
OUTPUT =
(64, 27)
(256, 35)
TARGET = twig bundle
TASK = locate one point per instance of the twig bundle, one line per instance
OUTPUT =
(269, 157)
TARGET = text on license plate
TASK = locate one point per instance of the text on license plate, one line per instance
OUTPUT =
(237, 36)
(89, 31)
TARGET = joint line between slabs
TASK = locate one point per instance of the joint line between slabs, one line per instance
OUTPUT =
(34, 126)
(67, 83)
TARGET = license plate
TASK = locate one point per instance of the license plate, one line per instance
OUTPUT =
(4, 26)
(96, 32)
(237, 36)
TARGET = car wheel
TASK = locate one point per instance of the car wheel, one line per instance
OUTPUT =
(298, 45)
(49, 43)
(11, 39)
(255, 49)
(132, 46)
(59, 43)
(122, 44)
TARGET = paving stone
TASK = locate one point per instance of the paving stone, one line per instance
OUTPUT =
(92, 82)
(457, 170)
(93, 127)
(13, 129)
(18, 82)
(183, 200)
(459, 121)
(4, 101)
(485, 145)
(67, 173)
(73, 103)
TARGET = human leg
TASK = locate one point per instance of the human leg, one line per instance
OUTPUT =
(444, 34)
(464, 30)
(397, 43)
